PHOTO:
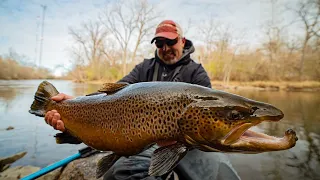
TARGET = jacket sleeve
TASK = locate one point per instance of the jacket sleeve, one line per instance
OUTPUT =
(133, 76)
(201, 77)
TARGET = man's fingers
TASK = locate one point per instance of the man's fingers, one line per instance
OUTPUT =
(60, 97)
(60, 125)
(49, 119)
(46, 117)
(56, 117)
(49, 115)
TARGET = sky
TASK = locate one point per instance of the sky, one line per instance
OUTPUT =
(20, 22)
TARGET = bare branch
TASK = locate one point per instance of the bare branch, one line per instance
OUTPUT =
(129, 22)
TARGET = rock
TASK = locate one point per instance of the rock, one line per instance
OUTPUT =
(22, 171)
(83, 168)
(17, 172)
(9, 128)
(4, 162)
(53, 175)
(5, 167)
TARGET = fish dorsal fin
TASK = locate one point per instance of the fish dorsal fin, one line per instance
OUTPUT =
(111, 88)
(165, 158)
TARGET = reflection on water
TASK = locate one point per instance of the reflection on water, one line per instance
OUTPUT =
(301, 162)
(33, 135)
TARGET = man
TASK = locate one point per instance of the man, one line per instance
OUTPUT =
(172, 62)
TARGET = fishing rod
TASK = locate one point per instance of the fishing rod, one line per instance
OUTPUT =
(84, 152)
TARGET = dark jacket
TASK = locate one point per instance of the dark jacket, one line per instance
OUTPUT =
(136, 167)
(185, 70)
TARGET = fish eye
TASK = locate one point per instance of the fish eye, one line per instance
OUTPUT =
(234, 115)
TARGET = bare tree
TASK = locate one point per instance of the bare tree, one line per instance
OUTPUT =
(145, 18)
(78, 70)
(308, 11)
(129, 22)
(188, 26)
(231, 42)
(273, 43)
(208, 34)
(90, 41)
(273, 32)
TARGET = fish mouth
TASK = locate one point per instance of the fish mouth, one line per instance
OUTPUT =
(244, 140)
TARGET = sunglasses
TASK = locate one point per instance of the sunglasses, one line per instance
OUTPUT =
(161, 42)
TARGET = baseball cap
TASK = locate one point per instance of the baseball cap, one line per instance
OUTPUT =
(168, 29)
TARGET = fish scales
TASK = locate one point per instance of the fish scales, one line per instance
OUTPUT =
(127, 121)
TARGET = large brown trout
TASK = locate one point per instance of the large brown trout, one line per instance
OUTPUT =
(128, 118)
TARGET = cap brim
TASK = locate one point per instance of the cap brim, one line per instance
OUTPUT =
(168, 35)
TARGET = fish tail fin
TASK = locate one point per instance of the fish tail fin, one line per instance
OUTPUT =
(42, 98)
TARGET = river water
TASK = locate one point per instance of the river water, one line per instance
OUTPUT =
(301, 109)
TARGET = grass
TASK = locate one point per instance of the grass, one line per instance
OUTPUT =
(271, 85)
(260, 85)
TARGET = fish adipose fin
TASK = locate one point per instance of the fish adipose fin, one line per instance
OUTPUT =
(111, 88)
(42, 98)
(165, 158)
(105, 163)
(66, 138)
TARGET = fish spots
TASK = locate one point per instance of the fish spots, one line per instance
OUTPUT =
(128, 138)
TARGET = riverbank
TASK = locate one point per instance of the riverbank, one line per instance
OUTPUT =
(270, 85)
(260, 85)
(82, 168)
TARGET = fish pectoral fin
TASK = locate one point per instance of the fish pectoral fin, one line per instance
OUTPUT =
(105, 163)
(165, 158)
(110, 88)
(66, 138)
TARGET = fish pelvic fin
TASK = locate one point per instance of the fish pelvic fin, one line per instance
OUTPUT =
(165, 158)
(42, 98)
(66, 138)
(105, 163)
(111, 88)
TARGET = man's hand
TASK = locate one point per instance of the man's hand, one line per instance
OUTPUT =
(52, 117)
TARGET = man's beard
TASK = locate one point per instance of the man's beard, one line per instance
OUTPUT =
(169, 57)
